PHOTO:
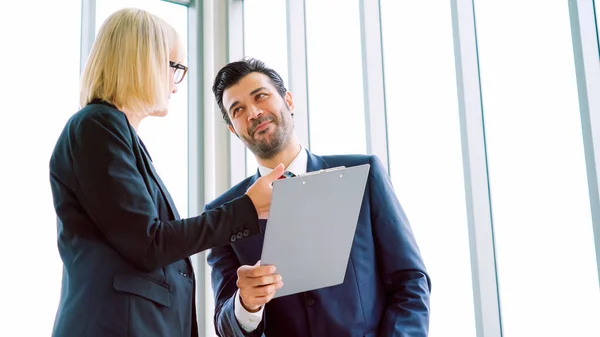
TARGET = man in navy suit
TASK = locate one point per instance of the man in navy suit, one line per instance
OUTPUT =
(386, 288)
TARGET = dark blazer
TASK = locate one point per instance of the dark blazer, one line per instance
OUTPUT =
(386, 288)
(124, 248)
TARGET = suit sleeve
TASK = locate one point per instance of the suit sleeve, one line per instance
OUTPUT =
(115, 196)
(407, 284)
(224, 265)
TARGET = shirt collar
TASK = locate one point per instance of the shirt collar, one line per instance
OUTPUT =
(298, 166)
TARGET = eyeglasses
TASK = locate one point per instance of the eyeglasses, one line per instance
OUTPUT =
(180, 71)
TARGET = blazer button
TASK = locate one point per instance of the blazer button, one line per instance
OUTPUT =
(183, 274)
(233, 238)
(239, 235)
(310, 301)
(246, 232)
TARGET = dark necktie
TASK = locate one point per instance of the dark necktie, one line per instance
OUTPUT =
(286, 174)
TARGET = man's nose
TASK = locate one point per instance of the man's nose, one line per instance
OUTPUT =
(254, 112)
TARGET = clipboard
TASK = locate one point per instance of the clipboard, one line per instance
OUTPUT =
(311, 226)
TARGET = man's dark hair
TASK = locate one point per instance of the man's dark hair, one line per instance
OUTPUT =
(232, 73)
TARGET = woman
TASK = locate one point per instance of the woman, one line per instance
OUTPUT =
(125, 250)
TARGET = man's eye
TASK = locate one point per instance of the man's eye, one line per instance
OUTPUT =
(259, 96)
(236, 111)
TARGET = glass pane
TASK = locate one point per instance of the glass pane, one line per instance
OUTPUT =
(40, 68)
(425, 152)
(165, 137)
(597, 12)
(335, 81)
(271, 50)
(542, 222)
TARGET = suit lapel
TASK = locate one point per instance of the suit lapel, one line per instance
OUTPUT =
(315, 163)
(158, 181)
(252, 180)
(165, 194)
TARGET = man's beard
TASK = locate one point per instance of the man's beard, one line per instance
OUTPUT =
(268, 147)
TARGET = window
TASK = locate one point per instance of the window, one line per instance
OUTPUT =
(425, 152)
(335, 80)
(165, 137)
(547, 273)
(41, 72)
(266, 40)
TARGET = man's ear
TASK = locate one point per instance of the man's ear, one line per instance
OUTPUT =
(289, 100)
(233, 130)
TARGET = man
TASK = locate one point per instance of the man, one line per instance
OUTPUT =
(386, 288)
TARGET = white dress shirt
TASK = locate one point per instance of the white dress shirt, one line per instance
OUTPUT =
(250, 320)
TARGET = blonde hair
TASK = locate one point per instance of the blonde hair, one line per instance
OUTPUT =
(129, 62)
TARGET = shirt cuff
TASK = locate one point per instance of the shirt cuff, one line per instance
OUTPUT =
(248, 320)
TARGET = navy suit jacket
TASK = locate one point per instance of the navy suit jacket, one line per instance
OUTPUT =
(124, 249)
(385, 290)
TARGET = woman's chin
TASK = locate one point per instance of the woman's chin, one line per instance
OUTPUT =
(161, 113)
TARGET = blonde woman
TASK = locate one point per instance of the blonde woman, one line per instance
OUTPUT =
(124, 248)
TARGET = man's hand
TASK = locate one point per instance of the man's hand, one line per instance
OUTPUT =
(257, 285)
(261, 191)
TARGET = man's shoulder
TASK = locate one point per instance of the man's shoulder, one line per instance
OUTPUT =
(348, 159)
(377, 168)
(236, 191)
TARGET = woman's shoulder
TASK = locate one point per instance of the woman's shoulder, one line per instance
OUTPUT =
(101, 111)
(99, 116)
